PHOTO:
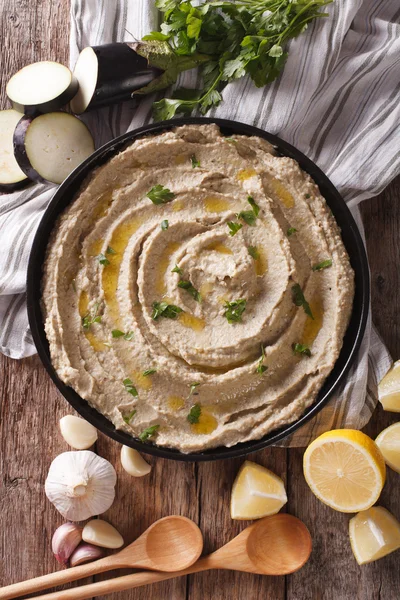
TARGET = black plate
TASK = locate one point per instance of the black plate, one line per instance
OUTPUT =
(351, 238)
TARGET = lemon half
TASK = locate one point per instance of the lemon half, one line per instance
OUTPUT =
(388, 442)
(345, 469)
(389, 389)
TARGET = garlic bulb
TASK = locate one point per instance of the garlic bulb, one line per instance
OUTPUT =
(101, 533)
(85, 553)
(77, 432)
(80, 484)
(65, 539)
(133, 462)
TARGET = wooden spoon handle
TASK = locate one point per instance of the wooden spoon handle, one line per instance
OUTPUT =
(53, 579)
(126, 582)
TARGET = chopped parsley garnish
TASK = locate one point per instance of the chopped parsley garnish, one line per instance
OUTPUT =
(301, 349)
(91, 317)
(195, 162)
(128, 418)
(149, 372)
(261, 368)
(234, 310)
(103, 260)
(163, 309)
(194, 414)
(193, 387)
(186, 285)
(254, 253)
(254, 206)
(164, 224)
(299, 300)
(234, 227)
(177, 269)
(116, 333)
(322, 265)
(291, 231)
(160, 194)
(307, 196)
(110, 250)
(148, 433)
(130, 388)
(248, 217)
(231, 140)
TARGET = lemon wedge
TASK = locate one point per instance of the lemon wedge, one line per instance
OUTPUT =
(256, 492)
(345, 469)
(388, 442)
(389, 389)
(374, 533)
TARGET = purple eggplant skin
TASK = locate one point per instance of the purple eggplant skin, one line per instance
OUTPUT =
(121, 71)
(19, 148)
(51, 105)
(8, 188)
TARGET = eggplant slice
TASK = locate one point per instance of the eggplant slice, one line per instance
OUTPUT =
(11, 176)
(109, 74)
(49, 147)
(41, 87)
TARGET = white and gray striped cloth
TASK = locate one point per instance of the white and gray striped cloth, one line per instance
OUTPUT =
(338, 101)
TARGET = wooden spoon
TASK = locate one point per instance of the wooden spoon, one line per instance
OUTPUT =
(170, 544)
(276, 545)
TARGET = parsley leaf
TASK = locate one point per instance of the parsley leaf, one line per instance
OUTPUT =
(248, 217)
(149, 372)
(128, 418)
(299, 300)
(91, 317)
(234, 310)
(261, 368)
(130, 388)
(322, 265)
(160, 195)
(186, 285)
(103, 260)
(254, 253)
(116, 333)
(193, 387)
(177, 269)
(148, 433)
(195, 162)
(163, 309)
(194, 414)
(110, 250)
(301, 349)
(234, 227)
(291, 231)
(254, 206)
(128, 336)
(164, 225)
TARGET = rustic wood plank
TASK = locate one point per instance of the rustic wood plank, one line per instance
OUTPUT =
(31, 407)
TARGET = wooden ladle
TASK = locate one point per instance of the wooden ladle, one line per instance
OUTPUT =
(170, 544)
(276, 545)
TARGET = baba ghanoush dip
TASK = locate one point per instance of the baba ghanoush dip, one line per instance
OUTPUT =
(196, 291)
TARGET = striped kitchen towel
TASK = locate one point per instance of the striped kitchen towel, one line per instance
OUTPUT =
(338, 101)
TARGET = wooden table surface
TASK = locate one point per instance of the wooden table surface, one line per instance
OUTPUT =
(30, 439)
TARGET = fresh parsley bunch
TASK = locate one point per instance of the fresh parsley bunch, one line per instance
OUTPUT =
(227, 40)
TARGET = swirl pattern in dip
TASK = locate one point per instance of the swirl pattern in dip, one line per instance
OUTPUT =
(197, 290)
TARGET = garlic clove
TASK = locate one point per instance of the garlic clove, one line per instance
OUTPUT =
(65, 539)
(101, 533)
(77, 432)
(133, 462)
(85, 553)
(80, 484)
